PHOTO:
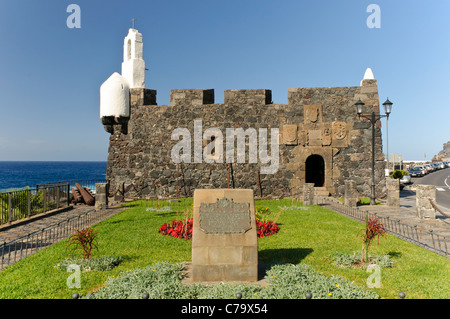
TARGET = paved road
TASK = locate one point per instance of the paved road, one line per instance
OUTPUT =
(440, 179)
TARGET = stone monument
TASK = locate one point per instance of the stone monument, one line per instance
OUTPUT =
(224, 240)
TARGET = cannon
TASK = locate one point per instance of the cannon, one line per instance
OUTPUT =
(76, 195)
(87, 196)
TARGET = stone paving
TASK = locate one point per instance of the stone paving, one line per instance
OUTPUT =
(402, 221)
(407, 214)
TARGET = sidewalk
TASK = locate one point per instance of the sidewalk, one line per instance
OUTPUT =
(406, 214)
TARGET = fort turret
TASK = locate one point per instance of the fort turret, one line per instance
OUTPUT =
(115, 91)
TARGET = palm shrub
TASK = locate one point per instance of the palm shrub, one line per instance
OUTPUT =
(84, 240)
(374, 228)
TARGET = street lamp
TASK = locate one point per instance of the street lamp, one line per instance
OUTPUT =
(387, 109)
(373, 118)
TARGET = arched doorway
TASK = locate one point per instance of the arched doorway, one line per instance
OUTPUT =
(315, 170)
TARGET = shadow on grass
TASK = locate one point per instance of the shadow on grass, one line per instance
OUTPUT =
(284, 255)
(269, 257)
(395, 254)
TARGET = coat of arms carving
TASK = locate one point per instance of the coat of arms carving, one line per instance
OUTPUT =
(289, 133)
(339, 130)
(312, 113)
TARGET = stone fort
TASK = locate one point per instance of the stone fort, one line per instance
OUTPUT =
(320, 139)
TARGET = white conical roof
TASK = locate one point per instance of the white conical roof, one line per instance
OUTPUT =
(114, 97)
(368, 75)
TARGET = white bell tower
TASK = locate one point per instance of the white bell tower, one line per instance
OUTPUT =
(133, 66)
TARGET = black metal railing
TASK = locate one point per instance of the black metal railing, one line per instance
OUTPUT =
(15, 250)
(24, 203)
(84, 183)
(412, 233)
(20, 204)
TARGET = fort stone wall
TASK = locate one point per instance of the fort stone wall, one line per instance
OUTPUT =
(321, 140)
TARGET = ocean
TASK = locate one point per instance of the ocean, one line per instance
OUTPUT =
(22, 174)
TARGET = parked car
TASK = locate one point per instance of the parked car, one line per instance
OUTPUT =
(423, 168)
(416, 172)
(406, 179)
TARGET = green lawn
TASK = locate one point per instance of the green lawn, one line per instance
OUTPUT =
(306, 236)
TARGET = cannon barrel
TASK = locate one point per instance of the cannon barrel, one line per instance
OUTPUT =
(88, 198)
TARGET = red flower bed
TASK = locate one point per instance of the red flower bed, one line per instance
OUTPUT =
(265, 229)
(179, 229)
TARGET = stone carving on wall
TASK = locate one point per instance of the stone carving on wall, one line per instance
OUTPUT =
(340, 134)
(339, 130)
(312, 113)
(326, 136)
(289, 134)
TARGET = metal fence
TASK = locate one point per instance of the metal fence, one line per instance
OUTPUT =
(84, 183)
(13, 251)
(20, 204)
(411, 233)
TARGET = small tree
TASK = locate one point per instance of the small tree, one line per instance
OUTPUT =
(374, 228)
(398, 173)
(84, 240)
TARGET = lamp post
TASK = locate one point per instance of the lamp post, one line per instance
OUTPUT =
(373, 118)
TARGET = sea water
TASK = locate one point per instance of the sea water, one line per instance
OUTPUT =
(23, 174)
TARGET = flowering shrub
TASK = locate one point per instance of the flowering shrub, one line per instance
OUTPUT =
(262, 213)
(178, 229)
(264, 229)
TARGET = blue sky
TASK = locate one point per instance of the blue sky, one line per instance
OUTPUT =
(50, 75)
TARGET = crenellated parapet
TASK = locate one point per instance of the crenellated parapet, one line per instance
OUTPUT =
(191, 97)
(142, 96)
(248, 97)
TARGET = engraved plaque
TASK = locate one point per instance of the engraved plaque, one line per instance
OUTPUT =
(224, 217)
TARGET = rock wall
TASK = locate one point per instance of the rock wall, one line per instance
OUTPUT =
(444, 154)
(316, 121)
